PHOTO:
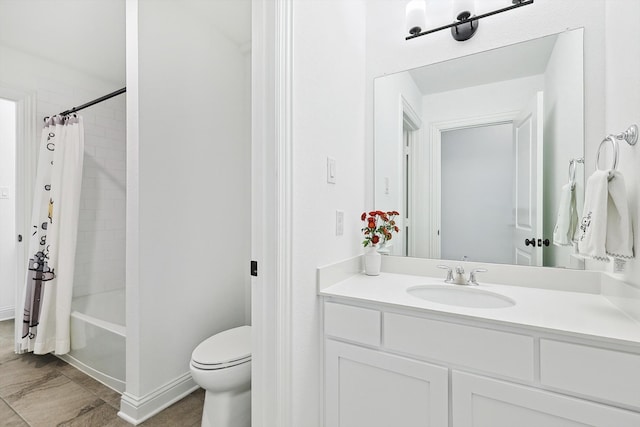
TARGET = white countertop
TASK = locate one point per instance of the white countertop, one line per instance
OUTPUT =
(584, 315)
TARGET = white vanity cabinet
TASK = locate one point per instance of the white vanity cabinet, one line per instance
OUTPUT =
(484, 402)
(385, 367)
(365, 387)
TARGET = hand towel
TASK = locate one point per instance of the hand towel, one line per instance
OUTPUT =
(619, 242)
(567, 218)
(592, 235)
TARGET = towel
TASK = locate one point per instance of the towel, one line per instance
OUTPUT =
(592, 236)
(567, 219)
(619, 229)
(605, 228)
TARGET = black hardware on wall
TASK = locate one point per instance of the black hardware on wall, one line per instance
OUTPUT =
(254, 268)
(466, 25)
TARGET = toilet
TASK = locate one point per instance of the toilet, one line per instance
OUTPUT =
(221, 365)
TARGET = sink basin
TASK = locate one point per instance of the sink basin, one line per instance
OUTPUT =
(460, 296)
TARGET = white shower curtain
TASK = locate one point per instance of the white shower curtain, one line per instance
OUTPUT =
(52, 243)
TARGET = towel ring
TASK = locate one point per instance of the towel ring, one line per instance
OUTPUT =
(614, 143)
(573, 164)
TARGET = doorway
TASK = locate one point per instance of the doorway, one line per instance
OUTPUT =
(477, 193)
(8, 242)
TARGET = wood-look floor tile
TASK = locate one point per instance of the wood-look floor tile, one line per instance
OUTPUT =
(7, 328)
(8, 417)
(53, 401)
(186, 412)
(101, 416)
(110, 396)
(24, 371)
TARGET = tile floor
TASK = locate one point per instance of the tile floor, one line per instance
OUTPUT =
(44, 391)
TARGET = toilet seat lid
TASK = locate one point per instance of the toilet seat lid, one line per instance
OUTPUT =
(232, 345)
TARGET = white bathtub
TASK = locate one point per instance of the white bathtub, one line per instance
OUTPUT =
(98, 337)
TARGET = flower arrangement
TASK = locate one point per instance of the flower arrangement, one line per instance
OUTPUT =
(379, 226)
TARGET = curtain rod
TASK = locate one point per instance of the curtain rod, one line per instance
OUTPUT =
(95, 101)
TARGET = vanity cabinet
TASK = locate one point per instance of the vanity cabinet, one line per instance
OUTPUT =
(484, 402)
(385, 367)
(365, 387)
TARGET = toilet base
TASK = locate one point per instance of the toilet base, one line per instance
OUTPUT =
(231, 409)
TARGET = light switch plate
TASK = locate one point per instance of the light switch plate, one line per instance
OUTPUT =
(339, 223)
(331, 170)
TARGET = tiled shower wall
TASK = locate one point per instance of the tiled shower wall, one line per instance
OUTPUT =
(100, 252)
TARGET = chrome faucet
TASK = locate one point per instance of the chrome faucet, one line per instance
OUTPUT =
(458, 278)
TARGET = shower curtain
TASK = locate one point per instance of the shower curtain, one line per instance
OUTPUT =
(52, 243)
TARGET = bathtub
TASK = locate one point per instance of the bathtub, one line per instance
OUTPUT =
(98, 337)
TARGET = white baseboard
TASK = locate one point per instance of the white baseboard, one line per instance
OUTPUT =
(7, 313)
(135, 410)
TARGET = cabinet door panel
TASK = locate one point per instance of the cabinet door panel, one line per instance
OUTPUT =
(482, 402)
(367, 388)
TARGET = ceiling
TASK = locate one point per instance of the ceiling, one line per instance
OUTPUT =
(89, 35)
(506, 63)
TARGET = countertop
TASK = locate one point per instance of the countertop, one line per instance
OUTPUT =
(579, 314)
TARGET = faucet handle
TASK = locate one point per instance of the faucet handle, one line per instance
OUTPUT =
(449, 278)
(472, 275)
(459, 269)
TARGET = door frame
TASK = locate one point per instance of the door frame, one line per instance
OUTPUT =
(435, 190)
(26, 155)
(271, 212)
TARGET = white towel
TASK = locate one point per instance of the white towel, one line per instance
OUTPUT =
(619, 229)
(567, 218)
(592, 236)
(605, 229)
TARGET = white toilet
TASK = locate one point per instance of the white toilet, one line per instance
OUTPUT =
(221, 365)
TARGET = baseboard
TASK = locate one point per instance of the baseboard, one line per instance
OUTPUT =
(7, 313)
(135, 410)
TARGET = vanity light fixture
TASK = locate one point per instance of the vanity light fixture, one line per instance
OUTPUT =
(465, 25)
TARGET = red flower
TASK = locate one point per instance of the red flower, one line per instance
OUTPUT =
(375, 239)
(373, 213)
(372, 224)
(396, 229)
(363, 216)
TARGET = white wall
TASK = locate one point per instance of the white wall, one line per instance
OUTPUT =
(328, 120)
(188, 183)
(623, 109)
(7, 209)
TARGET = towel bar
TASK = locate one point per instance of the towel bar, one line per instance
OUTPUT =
(630, 136)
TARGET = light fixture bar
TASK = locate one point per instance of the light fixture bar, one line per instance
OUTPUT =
(517, 3)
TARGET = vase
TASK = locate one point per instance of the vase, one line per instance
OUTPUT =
(372, 261)
(384, 249)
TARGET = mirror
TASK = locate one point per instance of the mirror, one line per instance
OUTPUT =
(474, 152)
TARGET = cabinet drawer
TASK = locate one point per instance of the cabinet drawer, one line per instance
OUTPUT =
(605, 374)
(352, 323)
(501, 353)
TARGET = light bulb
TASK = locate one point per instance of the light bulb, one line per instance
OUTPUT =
(466, 8)
(416, 16)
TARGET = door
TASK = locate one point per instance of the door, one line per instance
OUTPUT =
(483, 402)
(366, 387)
(527, 139)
